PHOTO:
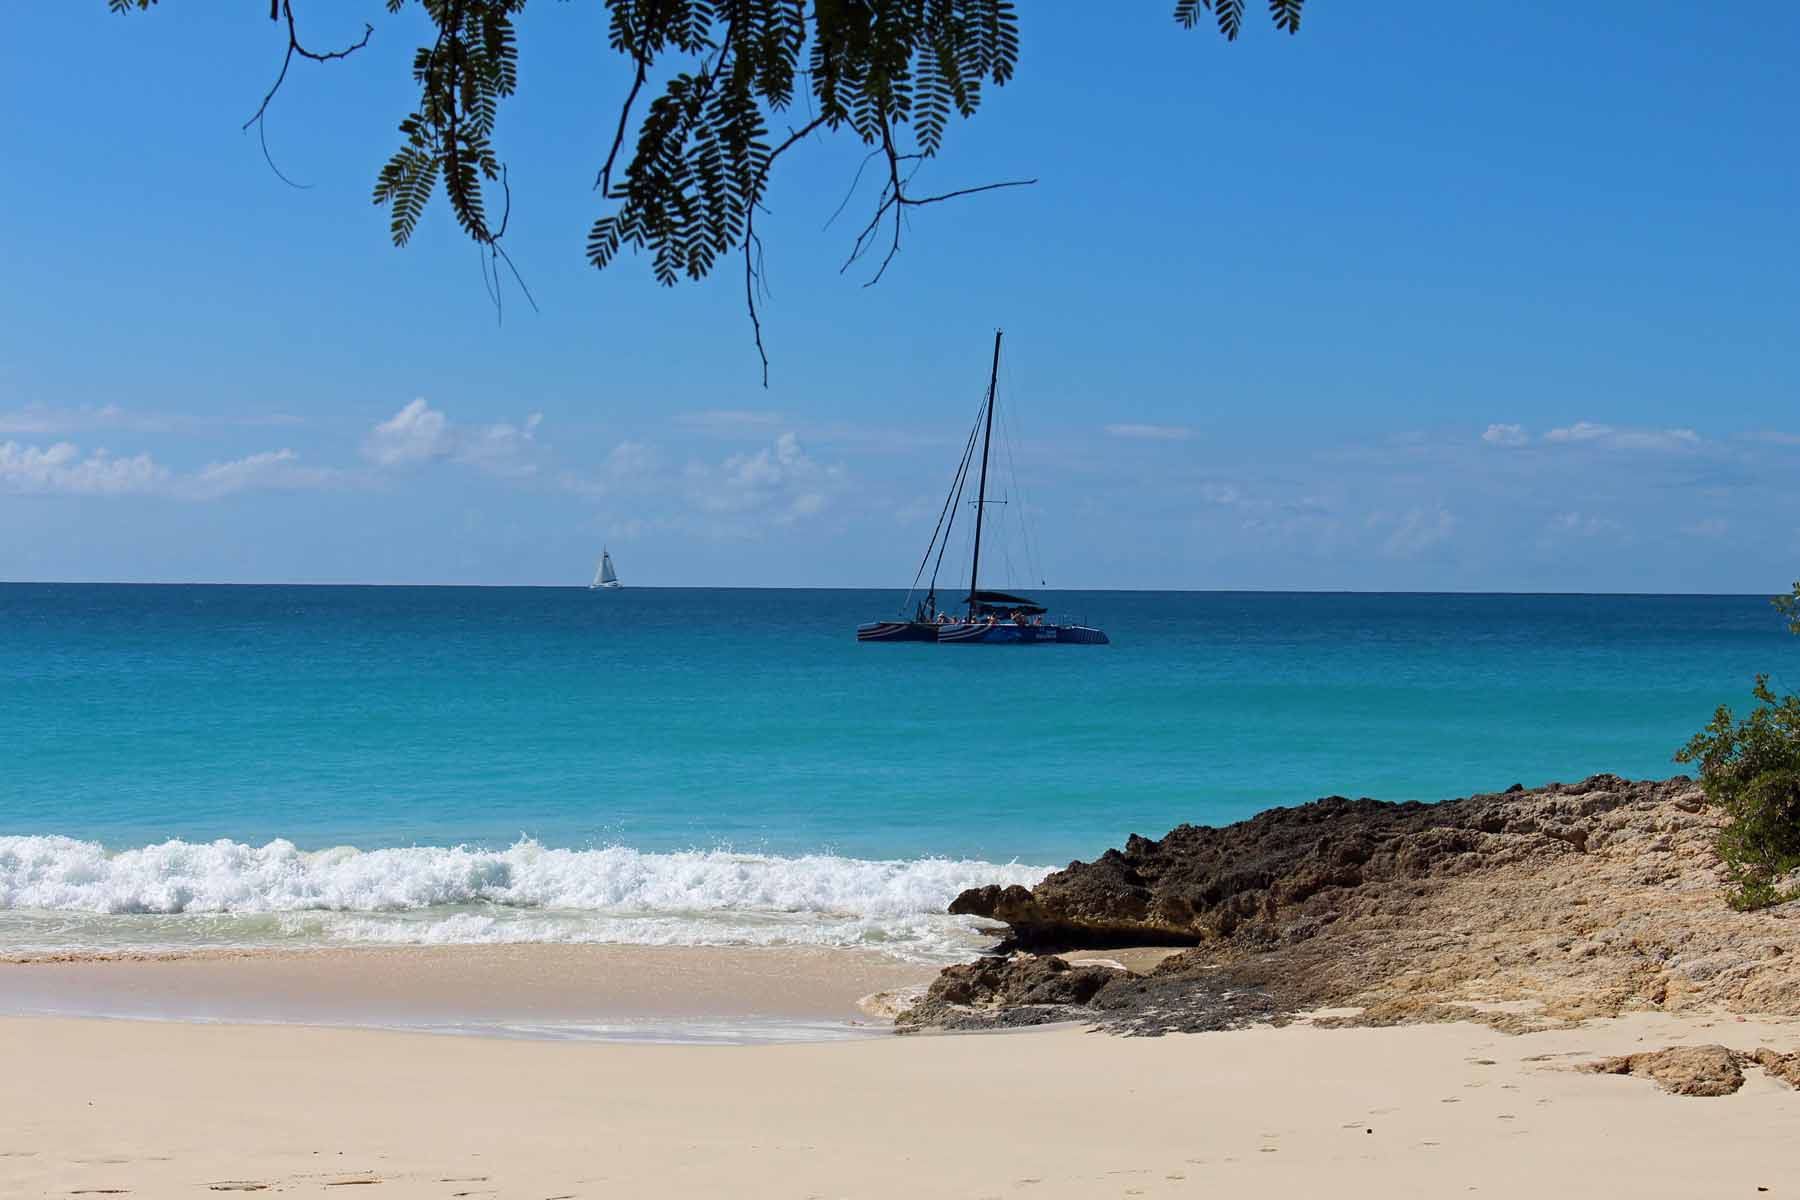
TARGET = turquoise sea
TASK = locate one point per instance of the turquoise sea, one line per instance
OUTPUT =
(186, 764)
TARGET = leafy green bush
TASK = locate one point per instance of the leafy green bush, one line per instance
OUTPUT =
(1750, 768)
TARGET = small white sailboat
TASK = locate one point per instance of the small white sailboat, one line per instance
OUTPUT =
(604, 575)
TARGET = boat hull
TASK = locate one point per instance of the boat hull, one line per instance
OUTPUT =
(896, 631)
(1007, 633)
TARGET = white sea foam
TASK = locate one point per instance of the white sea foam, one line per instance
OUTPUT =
(525, 893)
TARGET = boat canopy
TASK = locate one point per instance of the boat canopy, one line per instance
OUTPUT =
(1005, 602)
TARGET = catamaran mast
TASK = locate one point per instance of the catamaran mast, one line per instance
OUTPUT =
(981, 497)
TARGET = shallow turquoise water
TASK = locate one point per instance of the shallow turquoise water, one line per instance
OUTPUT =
(185, 766)
(666, 720)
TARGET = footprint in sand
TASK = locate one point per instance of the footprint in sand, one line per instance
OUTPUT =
(237, 1185)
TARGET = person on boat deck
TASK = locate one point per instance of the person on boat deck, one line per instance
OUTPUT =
(1038, 620)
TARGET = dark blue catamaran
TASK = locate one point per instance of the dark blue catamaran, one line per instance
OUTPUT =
(985, 617)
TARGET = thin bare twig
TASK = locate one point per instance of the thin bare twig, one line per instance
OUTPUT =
(496, 253)
(262, 137)
(895, 200)
(851, 193)
(276, 10)
(755, 274)
(751, 277)
(603, 181)
(294, 47)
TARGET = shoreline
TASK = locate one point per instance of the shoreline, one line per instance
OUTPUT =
(602, 992)
(674, 994)
(1381, 1000)
(159, 1109)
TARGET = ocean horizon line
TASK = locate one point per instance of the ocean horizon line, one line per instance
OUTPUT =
(742, 587)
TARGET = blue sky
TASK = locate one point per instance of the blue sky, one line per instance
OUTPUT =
(1493, 296)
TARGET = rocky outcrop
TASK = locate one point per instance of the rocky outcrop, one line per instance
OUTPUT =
(1270, 876)
(1783, 1068)
(1022, 990)
(1700, 1070)
(1683, 1070)
(1521, 908)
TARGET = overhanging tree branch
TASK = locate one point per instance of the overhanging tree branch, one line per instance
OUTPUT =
(285, 8)
(277, 10)
(687, 193)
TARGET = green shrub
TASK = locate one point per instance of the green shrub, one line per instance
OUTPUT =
(1751, 770)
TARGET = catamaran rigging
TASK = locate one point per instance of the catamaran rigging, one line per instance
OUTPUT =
(989, 616)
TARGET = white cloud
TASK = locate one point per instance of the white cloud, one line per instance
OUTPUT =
(419, 433)
(629, 468)
(501, 449)
(776, 484)
(62, 469)
(44, 421)
(272, 470)
(1151, 433)
(779, 482)
(1577, 524)
(1505, 435)
(1708, 527)
(1614, 437)
(1415, 531)
(729, 422)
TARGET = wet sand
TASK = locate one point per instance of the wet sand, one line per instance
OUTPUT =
(171, 1109)
(628, 992)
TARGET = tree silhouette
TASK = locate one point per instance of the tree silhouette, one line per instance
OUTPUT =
(890, 72)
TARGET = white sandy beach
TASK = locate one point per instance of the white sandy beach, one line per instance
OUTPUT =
(145, 1108)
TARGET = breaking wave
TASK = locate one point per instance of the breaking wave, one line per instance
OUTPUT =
(186, 892)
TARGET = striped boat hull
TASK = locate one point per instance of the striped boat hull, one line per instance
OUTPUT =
(1006, 633)
(897, 631)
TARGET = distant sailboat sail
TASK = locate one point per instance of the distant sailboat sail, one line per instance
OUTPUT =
(604, 575)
